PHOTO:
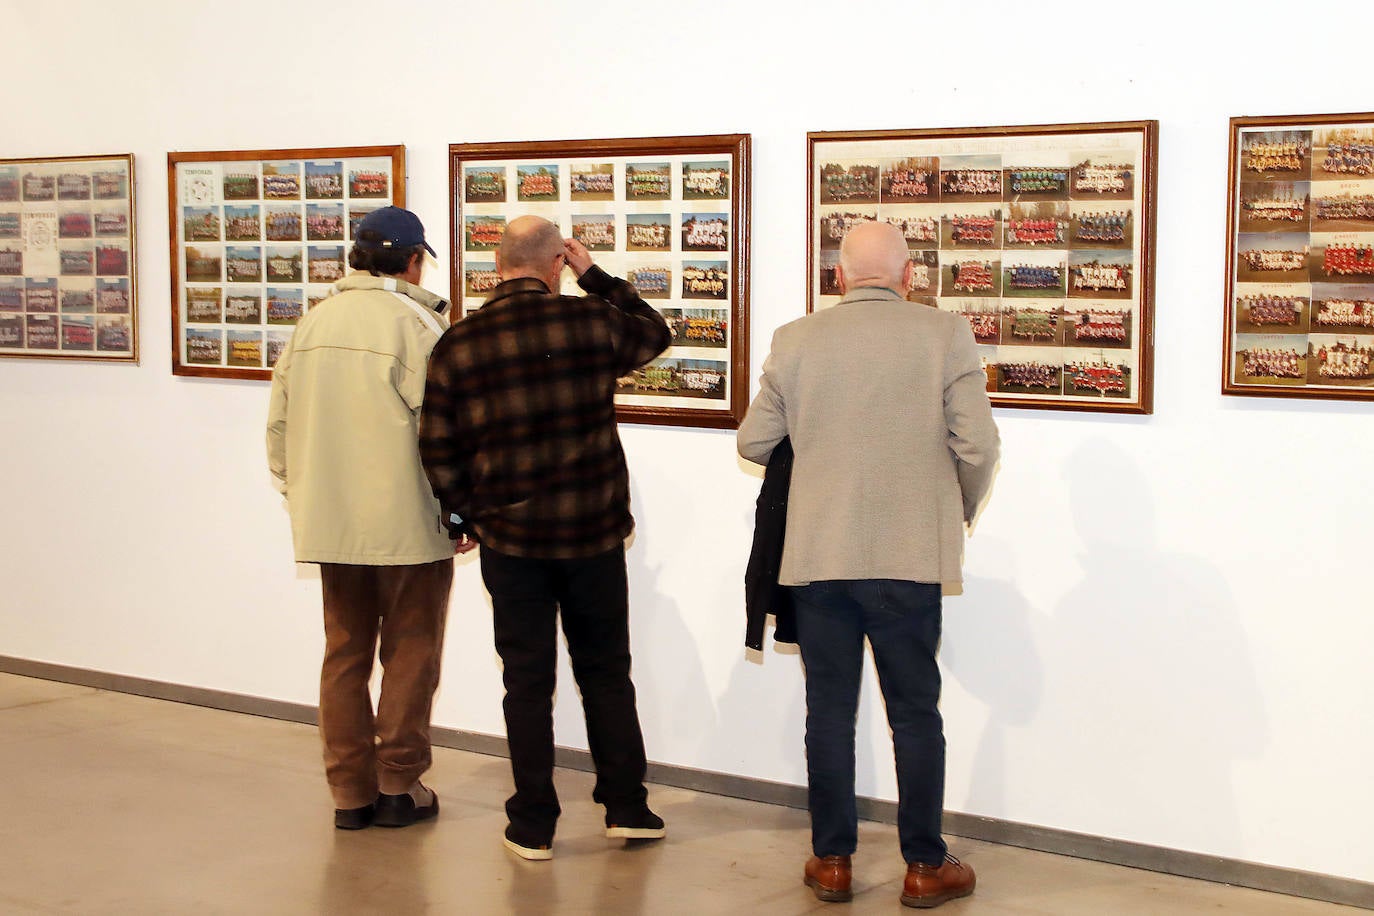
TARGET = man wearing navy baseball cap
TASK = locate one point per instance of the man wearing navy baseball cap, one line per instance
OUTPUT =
(390, 229)
(342, 444)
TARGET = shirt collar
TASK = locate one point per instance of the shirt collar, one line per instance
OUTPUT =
(515, 287)
(361, 279)
(871, 294)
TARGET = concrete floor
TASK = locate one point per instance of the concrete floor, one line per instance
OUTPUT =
(119, 804)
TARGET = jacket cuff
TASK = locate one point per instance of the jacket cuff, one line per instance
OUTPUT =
(456, 529)
(597, 281)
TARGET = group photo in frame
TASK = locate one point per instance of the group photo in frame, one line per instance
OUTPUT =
(68, 264)
(258, 237)
(669, 214)
(1300, 257)
(1042, 236)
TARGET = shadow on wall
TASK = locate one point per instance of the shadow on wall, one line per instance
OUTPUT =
(1010, 682)
(1148, 682)
(762, 712)
(746, 729)
(673, 698)
(759, 726)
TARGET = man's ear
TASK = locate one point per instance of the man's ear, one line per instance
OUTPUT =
(840, 280)
(908, 275)
(560, 261)
(497, 256)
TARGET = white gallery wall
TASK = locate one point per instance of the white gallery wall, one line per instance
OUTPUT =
(1166, 628)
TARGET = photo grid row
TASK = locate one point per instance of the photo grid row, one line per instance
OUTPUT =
(262, 241)
(1302, 305)
(66, 258)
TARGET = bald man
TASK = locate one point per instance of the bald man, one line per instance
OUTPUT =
(519, 439)
(885, 402)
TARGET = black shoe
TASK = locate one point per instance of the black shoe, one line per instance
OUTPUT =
(401, 810)
(643, 825)
(354, 818)
(526, 846)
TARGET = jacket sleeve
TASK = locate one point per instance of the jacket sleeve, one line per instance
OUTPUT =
(409, 372)
(445, 442)
(973, 437)
(276, 421)
(765, 423)
(638, 331)
(410, 382)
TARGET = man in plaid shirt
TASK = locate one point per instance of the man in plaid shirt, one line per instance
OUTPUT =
(518, 437)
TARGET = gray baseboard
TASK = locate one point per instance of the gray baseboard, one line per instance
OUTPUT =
(1271, 878)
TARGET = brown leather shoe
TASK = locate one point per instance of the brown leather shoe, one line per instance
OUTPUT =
(930, 885)
(829, 877)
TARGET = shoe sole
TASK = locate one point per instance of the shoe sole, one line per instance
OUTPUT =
(636, 833)
(925, 903)
(827, 894)
(526, 852)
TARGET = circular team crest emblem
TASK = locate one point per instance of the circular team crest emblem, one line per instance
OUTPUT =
(40, 234)
(200, 189)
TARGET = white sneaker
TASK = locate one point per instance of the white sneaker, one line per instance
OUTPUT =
(643, 826)
(532, 853)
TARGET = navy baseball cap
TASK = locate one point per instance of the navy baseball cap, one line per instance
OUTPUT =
(398, 229)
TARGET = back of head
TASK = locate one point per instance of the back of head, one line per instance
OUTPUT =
(386, 241)
(874, 254)
(528, 246)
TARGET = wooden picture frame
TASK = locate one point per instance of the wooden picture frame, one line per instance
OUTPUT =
(1043, 236)
(68, 258)
(661, 212)
(1300, 257)
(258, 236)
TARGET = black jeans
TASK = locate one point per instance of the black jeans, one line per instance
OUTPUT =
(902, 622)
(527, 596)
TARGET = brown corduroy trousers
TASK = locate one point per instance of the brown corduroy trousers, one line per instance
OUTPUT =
(406, 607)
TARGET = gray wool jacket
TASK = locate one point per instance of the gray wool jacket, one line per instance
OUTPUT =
(886, 403)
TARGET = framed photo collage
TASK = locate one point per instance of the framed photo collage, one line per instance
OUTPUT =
(257, 238)
(1042, 237)
(670, 214)
(68, 282)
(1300, 257)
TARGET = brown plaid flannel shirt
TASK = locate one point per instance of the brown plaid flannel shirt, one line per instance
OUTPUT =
(518, 432)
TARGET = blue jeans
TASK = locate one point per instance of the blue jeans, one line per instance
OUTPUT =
(902, 622)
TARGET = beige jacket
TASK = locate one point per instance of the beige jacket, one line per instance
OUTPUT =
(342, 428)
(887, 407)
